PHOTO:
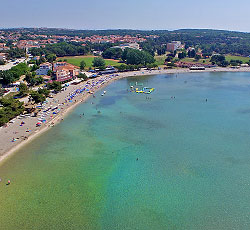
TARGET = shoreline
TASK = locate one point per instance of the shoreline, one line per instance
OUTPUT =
(9, 148)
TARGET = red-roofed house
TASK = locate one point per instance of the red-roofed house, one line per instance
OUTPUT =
(65, 71)
(3, 56)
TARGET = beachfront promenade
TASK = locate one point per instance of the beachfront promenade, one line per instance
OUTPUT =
(24, 130)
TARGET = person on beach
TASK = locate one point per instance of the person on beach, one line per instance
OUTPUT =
(8, 183)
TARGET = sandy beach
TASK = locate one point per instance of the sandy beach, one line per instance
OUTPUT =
(23, 130)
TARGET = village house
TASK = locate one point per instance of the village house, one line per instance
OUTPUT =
(3, 57)
(3, 47)
(27, 44)
(46, 78)
(44, 69)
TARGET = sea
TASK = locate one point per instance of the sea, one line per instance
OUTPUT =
(178, 159)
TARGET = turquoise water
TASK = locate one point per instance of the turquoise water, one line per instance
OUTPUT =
(192, 172)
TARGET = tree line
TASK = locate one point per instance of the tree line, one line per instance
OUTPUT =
(61, 49)
(129, 56)
(12, 75)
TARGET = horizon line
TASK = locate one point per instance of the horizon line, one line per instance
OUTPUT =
(60, 28)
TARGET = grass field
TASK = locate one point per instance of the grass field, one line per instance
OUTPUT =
(243, 59)
(88, 60)
(159, 60)
(193, 60)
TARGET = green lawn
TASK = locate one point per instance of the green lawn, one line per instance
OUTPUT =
(228, 58)
(159, 60)
(193, 60)
(88, 60)
(243, 59)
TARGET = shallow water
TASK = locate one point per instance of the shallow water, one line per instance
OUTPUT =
(192, 172)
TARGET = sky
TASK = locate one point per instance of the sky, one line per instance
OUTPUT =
(126, 14)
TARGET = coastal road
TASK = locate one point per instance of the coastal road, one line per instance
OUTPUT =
(11, 64)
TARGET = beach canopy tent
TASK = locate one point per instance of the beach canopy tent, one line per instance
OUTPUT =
(29, 108)
(93, 76)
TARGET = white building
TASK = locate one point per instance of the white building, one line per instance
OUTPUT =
(3, 47)
(44, 68)
(174, 45)
(2, 56)
(128, 45)
(244, 65)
